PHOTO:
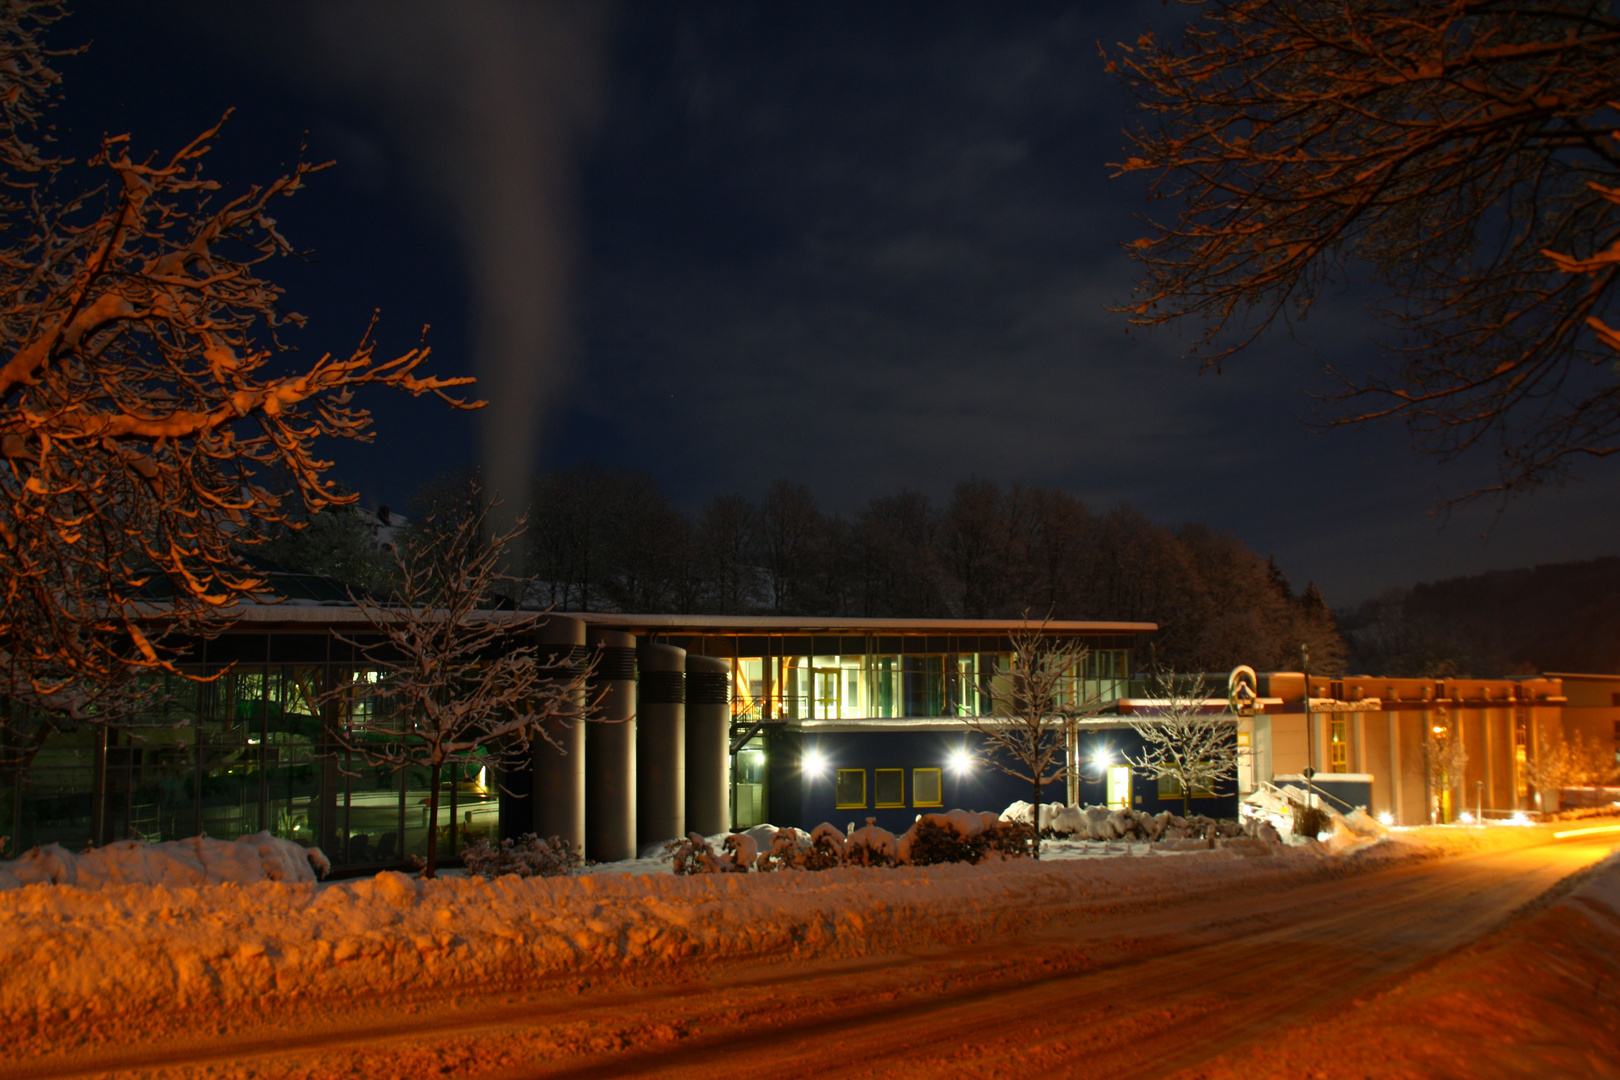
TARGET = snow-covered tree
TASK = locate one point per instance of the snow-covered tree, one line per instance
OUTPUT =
(450, 678)
(1035, 694)
(144, 398)
(1445, 755)
(338, 543)
(1182, 742)
(1559, 763)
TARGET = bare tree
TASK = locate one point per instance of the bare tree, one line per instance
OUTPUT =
(1183, 742)
(788, 530)
(458, 683)
(1445, 755)
(140, 417)
(1034, 696)
(1458, 152)
(725, 539)
(1560, 763)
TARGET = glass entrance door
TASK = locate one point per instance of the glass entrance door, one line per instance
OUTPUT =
(1119, 786)
(824, 706)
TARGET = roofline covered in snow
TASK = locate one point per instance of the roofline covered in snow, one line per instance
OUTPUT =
(794, 624)
(339, 616)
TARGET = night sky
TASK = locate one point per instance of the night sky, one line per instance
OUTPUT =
(863, 247)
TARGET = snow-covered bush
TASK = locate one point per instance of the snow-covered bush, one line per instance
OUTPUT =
(1310, 821)
(696, 855)
(930, 842)
(959, 836)
(1050, 816)
(1124, 823)
(870, 846)
(826, 848)
(790, 849)
(528, 856)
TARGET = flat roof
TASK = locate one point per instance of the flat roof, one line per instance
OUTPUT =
(796, 624)
(316, 616)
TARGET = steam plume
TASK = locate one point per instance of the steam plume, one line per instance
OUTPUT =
(486, 98)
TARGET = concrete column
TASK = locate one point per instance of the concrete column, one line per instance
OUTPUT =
(610, 750)
(1397, 790)
(660, 745)
(559, 769)
(708, 744)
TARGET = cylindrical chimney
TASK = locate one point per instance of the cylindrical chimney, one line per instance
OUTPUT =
(708, 744)
(559, 770)
(660, 745)
(610, 750)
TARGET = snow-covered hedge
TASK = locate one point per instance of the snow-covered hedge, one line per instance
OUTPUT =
(955, 836)
(197, 861)
(1124, 823)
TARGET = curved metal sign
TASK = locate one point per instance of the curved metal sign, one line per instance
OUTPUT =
(1242, 690)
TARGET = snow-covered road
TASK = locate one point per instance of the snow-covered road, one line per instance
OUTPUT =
(1147, 984)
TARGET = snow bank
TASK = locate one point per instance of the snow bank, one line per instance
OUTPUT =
(197, 861)
(67, 949)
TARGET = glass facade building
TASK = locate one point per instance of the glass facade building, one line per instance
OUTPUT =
(247, 745)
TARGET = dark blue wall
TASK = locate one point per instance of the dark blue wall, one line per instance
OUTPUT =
(795, 799)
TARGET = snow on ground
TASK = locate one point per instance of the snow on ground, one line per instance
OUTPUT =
(68, 948)
(1535, 999)
(104, 943)
(197, 861)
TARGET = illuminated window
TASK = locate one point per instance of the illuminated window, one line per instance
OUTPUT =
(849, 792)
(1339, 746)
(1170, 788)
(889, 787)
(926, 788)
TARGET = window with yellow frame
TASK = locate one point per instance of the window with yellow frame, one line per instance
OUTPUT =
(1170, 788)
(888, 787)
(927, 787)
(849, 789)
(1339, 746)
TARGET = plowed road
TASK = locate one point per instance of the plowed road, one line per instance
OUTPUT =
(1148, 995)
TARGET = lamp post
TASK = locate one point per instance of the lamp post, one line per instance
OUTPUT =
(1310, 734)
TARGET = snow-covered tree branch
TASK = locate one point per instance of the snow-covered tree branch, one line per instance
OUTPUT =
(144, 401)
(1460, 156)
(1182, 742)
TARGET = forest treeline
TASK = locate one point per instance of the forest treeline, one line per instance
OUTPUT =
(1553, 617)
(609, 539)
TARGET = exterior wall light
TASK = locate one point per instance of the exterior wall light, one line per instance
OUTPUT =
(961, 762)
(814, 765)
(1102, 757)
